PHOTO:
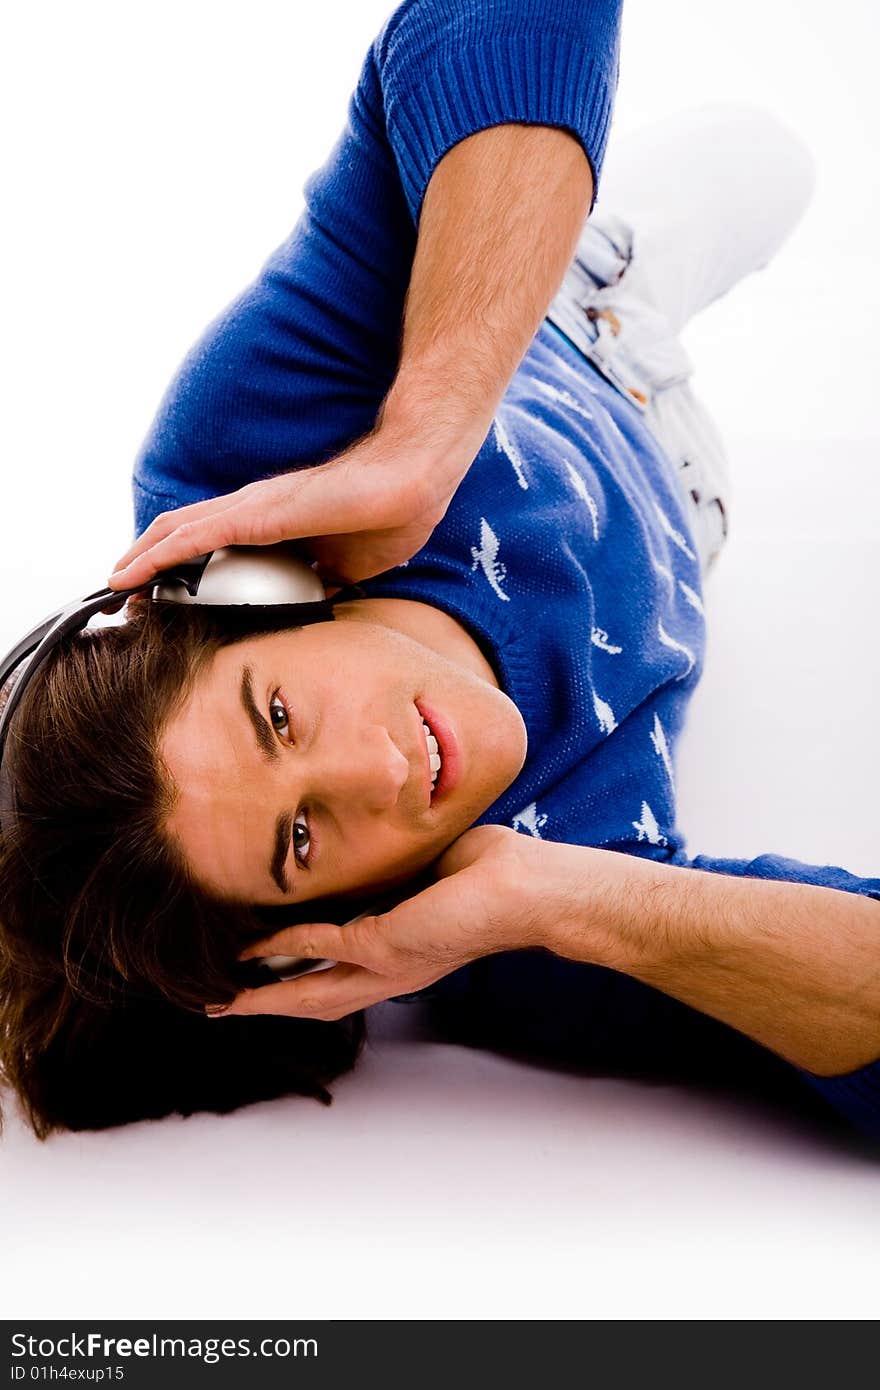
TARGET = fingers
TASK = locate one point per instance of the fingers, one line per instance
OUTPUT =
(252, 515)
(236, 524)
(358, 493)
(167, 522)
(327, 995)
(311, 941)
(359, 977)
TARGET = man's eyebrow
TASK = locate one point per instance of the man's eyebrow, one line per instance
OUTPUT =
(265, 739)
(270, 750)
(280, 850)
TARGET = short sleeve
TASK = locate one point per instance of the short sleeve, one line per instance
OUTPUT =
(449, 68)
(296, 368)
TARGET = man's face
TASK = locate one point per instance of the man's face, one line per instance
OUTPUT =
(301, 760)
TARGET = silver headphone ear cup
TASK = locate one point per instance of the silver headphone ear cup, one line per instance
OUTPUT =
(261, 575)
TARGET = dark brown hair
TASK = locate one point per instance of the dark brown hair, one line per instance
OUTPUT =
(109, 950)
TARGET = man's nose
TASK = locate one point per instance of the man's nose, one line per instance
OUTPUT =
(367, 769)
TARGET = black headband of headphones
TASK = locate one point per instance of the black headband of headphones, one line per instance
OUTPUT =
(253, 577)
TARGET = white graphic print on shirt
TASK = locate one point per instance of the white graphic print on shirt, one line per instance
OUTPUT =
(692, 597)
(615, 429)
(661, 748)
(604, 714)
(555, 393)
(507, 446)
(583, 492)
(666, 572)
(676, 647)
(486, 556)
(648, 828)
(599, 638)
(528, 819)
(675, 536)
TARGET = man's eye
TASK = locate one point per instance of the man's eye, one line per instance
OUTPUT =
(302, 839)
(279, 716)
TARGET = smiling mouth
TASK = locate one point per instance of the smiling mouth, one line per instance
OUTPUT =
(435, 758)
(445, 766)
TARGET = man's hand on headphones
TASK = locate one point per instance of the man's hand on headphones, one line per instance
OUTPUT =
(360, 514)
(475, 908)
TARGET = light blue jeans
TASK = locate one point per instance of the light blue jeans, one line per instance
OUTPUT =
(686, 209)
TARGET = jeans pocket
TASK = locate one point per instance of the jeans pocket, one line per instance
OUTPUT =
(600, 309)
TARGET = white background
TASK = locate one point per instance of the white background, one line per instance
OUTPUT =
(154, 155)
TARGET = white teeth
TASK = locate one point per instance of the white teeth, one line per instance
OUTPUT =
(434, 760)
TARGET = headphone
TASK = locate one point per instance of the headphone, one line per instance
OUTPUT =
(256, 577)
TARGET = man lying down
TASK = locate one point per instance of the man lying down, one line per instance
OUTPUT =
(453, 390)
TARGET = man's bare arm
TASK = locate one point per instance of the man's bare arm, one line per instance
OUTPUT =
(792, 965)
(500, 222)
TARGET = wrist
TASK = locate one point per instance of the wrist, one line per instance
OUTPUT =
(444, 426)
(568, 899)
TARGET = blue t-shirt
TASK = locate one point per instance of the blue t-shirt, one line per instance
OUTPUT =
(566, 551)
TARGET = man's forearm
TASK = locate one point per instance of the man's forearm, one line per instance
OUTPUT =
(499, 224)
(792, 965)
